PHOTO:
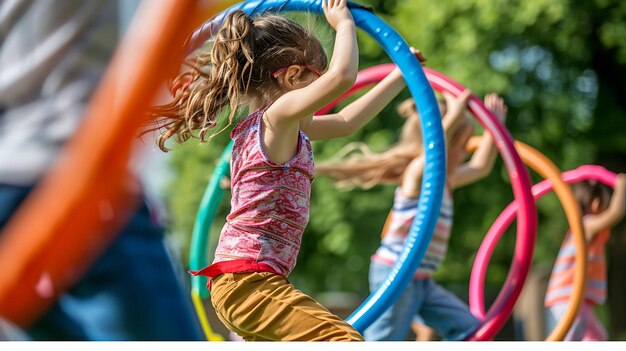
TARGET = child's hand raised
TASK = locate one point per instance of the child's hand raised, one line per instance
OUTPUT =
(407, 108)
(496, 105)
(336, 12)
(418, 54)
(455, 105)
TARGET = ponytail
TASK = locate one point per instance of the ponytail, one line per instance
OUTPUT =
(357, 166)
(201, 96)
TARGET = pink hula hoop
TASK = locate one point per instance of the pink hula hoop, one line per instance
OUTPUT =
(500, 311)
(483, 256)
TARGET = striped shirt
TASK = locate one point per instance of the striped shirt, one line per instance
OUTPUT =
(270, 201)
(562, 277)
(402, 215)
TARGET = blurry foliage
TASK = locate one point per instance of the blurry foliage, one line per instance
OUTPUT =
(559, 64)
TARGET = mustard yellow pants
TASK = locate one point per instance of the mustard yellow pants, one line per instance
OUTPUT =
(266, 307)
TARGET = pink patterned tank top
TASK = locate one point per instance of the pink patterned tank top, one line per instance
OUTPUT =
(270, 201)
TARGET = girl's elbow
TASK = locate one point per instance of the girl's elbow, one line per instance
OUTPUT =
(343, 80)
(346, 82)
(482, 174)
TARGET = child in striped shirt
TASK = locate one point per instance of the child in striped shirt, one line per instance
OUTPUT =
(593, 199)
(403, 164)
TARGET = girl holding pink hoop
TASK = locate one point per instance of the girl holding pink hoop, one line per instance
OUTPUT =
(600, 214)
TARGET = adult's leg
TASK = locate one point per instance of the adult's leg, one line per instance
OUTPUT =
(132, 292)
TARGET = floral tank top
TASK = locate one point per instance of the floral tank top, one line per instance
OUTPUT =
(270, 201)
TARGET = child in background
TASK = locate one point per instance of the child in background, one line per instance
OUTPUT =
(403, 164)
(280, 72)
(598, 219)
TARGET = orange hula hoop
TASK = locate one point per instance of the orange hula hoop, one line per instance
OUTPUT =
(548, 170)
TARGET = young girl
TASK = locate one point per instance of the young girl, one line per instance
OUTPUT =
(280, 72)
(423, 299)
(593, 199)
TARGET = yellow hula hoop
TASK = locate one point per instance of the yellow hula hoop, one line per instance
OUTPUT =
(202, 317)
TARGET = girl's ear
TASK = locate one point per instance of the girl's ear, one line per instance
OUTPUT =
(289, 79)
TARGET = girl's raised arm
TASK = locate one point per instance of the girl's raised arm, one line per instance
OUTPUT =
(359, 112)
(455, 108)
(481, 163)
(303, 101)
(412, 176)
(612, 215)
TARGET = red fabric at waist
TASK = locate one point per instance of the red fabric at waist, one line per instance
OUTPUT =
(235, 266)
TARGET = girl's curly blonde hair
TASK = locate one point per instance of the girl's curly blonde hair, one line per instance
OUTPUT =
(242, 57)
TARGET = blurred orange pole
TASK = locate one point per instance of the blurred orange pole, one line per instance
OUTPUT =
(76, 209)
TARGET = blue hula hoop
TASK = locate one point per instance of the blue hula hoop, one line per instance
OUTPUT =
(434, 176)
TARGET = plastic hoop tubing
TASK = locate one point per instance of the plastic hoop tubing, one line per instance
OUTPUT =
(542, 165)
(434, 174)
(479, 271)
(526, 226)
(62, 217)
(590, 172)
(200, 239)
(204, 218)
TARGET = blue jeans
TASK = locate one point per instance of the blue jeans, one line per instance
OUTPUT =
(424, 300)
(132, 292)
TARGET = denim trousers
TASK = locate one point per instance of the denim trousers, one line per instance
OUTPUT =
(422, 300)
(132, 292)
